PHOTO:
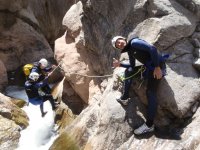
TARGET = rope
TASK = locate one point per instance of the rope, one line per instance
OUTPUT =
(54, 69)
(104, 76)
(142, 69)
(140, 84)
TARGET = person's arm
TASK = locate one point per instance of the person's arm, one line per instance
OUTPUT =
(144, 46)
(131, 59)
(47, 69)
(41, 83)
(35, 69)
(117, 63)
(157, 73)
(27, 85)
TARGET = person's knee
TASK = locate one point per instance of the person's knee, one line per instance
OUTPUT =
(148, 92)
(151, 94)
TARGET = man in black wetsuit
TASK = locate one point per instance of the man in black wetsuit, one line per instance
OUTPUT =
(42, 68)
(155, 69)
(32, 87)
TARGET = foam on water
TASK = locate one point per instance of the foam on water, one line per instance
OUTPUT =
(40, 133)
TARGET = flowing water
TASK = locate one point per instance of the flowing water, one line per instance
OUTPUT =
(40, 133)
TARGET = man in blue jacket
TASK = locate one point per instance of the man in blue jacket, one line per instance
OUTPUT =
(42, 68)
(32, 87)
(155, 69)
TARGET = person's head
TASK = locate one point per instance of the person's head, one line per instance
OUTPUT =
(34, 76)
(43, 63)
(119, 42)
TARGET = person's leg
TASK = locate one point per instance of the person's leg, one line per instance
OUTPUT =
(127, 83)
(42, 110)
(151, 93)
(51, 100)
(46, 89)
(126, 86)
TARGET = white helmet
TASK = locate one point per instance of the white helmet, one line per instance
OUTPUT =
(34, 76)
(114, 40)
(43, 62)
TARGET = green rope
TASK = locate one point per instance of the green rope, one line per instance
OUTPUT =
(142, 69)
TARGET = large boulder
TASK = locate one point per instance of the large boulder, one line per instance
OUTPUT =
(28, 30)
(9, 134)
(21, 43)
(105, 124)
(3, 78)
(166, 19)
(11, 111)
(12, 120)
(49, 14)
(13, 5)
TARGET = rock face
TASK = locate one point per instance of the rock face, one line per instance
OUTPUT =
(49, 14)
(28, 30)
(3, 79)
(12, 120)
(83, 63)
(20, 42)
(172, 26)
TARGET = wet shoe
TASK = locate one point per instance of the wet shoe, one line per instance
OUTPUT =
(55, 106)
(123, 101)
(44, 113)
(56, 103)
(144, 129)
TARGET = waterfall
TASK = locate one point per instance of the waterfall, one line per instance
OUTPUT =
(40, 133)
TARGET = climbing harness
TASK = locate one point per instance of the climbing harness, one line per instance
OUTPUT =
(141, 70)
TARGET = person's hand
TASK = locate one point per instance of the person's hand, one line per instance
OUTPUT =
(49, 73)
(157, 73)
(116, 63)
(53, 66)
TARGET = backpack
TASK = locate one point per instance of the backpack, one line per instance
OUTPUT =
(27, 69)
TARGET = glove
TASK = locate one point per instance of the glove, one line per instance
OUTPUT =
(40, 92)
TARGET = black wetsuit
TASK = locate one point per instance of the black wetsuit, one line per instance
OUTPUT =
(32, 91)
(42, 72)
(147, 55)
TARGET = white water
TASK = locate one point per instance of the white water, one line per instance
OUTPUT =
(40, 133)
